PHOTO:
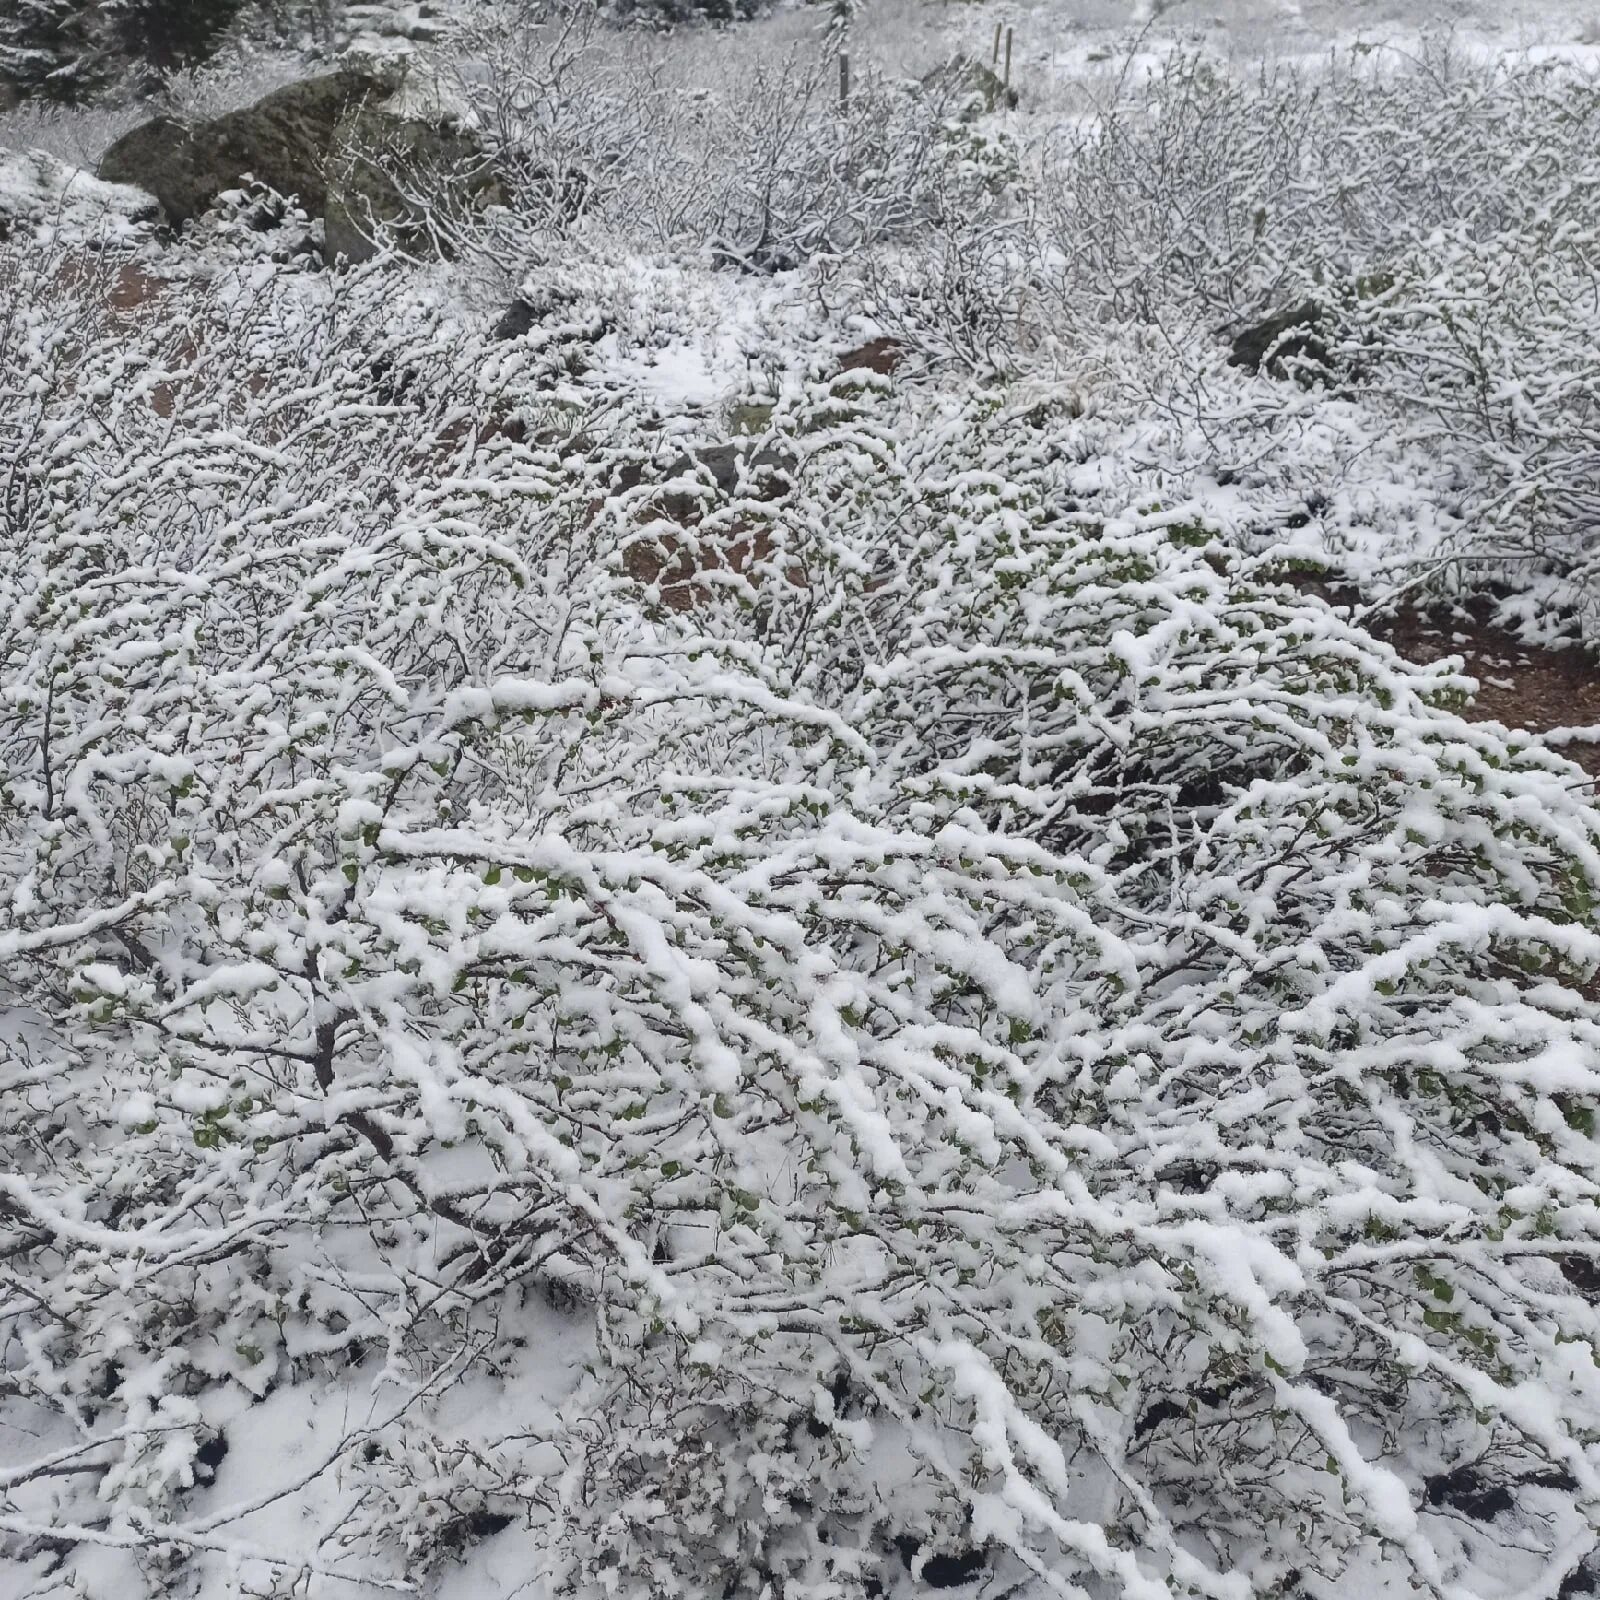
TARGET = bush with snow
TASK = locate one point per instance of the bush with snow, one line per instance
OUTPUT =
(986, 1026)
(1439, 213)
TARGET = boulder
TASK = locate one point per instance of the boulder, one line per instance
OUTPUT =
(387, 156)
(518, 319)
(966, 87)
(369, 152)
(549, 300)
(37, 191)
(740, 467)
(282, 141)
(1289, 336)
(390, 154)
(420, 22)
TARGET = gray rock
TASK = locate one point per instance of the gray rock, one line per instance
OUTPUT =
(542, 301)
(763, 472)
(965, 87)
(370, 155)
(391, 170)
(1287, 338)
(283, 141)
(420, 22)
(518, 318)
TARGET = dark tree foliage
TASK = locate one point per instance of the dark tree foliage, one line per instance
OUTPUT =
(51, 50)
(69, 50)
(161, 35)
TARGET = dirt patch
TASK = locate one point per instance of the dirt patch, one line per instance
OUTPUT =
(1535, 688)
(123, 287)
(881, 355)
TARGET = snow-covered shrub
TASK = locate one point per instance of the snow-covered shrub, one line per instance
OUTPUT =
(751, 151)
(1480, 344)
(996, 1033)
(961, 288)
(1437, 216)
(1292, 921)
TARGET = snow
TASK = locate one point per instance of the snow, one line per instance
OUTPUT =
(41, 192)
(979, 1019)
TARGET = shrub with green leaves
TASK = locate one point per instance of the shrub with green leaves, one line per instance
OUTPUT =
(746, 1042)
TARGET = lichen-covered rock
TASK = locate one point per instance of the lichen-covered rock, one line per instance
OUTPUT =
(397, 175)
(408, 168)
(375, 157)
(283, 141)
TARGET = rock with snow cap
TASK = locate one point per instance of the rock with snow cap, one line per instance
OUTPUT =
(38, 190)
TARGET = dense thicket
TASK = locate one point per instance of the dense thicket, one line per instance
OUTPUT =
(831, 990)
(74, 51)
(1420, 227)
(1001, 1032)
(51, 50)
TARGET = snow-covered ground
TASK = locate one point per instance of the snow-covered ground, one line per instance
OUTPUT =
(1090, 37)
(1275, 28)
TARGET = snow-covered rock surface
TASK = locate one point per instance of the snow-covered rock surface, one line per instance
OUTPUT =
(40, 191)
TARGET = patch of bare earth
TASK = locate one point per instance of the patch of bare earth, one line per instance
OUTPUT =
(1535, 688)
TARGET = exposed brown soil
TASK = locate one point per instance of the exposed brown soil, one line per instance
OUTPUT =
(1531, 687)
(122, 287)
(679, 568)
(882, 355)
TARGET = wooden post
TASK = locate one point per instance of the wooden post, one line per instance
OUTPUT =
(1009, 32)
(994, 55)
(844, 78)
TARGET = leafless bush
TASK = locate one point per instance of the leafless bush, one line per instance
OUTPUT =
(761, 156)
(1433, 222)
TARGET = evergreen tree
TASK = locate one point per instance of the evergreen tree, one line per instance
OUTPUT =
(162, 35)
(52, 49)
